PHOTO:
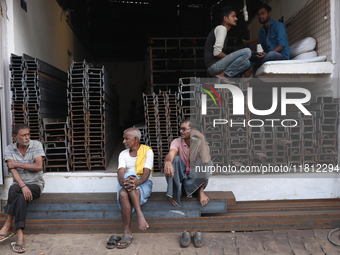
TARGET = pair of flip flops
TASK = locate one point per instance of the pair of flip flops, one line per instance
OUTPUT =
(114, 240)
(197, 238)
(14, 244)
(6, 236)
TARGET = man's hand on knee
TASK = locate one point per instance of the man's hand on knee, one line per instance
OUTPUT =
(168, 169)
(27, 193)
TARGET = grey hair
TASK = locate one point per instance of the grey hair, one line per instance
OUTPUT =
(134, 131)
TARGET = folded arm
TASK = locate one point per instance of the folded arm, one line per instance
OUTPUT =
(35, 167)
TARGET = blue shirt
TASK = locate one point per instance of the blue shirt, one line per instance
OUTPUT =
(276, 36)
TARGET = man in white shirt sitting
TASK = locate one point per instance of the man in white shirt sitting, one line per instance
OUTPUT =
(134, 187)
(218, 63)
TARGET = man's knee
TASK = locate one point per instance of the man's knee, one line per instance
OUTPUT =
(123, 195)
(14, 191)
(178, 163)
(272, 55)
(176, 160)
(247, 64)
(246, 52)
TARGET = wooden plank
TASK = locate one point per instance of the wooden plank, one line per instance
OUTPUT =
(242, 222)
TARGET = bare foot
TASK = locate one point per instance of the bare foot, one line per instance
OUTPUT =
(249, 73)
(6, 231)
(221, 75)
(203, 198)
(172, 201)
(143, 225)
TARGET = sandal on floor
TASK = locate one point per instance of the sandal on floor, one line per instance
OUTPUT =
(6, 236)
(198, 239)
(185, 238)
(127, 240)
(112, 243)
(13, 244)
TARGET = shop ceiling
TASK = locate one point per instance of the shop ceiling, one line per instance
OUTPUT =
(120, 30)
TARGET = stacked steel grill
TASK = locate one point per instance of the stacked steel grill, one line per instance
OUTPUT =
(238, 136)
(269, 145)
(77, 99)
(18, 90)
(161, 121)
(93, 116)
(215, 136)
(39, 91)
(56, 145)
(188, 98)
(327, 121)
(314, 140)
(142, 129)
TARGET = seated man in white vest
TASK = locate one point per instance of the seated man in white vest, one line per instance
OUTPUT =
(134, 187)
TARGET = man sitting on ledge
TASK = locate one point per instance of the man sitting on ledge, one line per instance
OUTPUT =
(273, 39)
(187, 154)
(24, 159)
(134, 187)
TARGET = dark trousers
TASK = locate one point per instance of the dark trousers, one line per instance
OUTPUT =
(17, 205)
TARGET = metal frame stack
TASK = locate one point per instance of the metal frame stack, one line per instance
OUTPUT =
(18, 90)
(163, 128)
(32, 96)
(281, 143)
(93, 116)
(159, 120)
(56, 145)
(102, 118)
(188, 98)
(173, 115)
(238, 137)
(144, 137)
(314, 140)
(309, 137)
(96, 119)
(77, 99)
(327, 119)
(39, 91)
(256, 142)
(215, 136)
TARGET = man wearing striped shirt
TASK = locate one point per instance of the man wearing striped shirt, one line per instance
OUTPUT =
(24, 159)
